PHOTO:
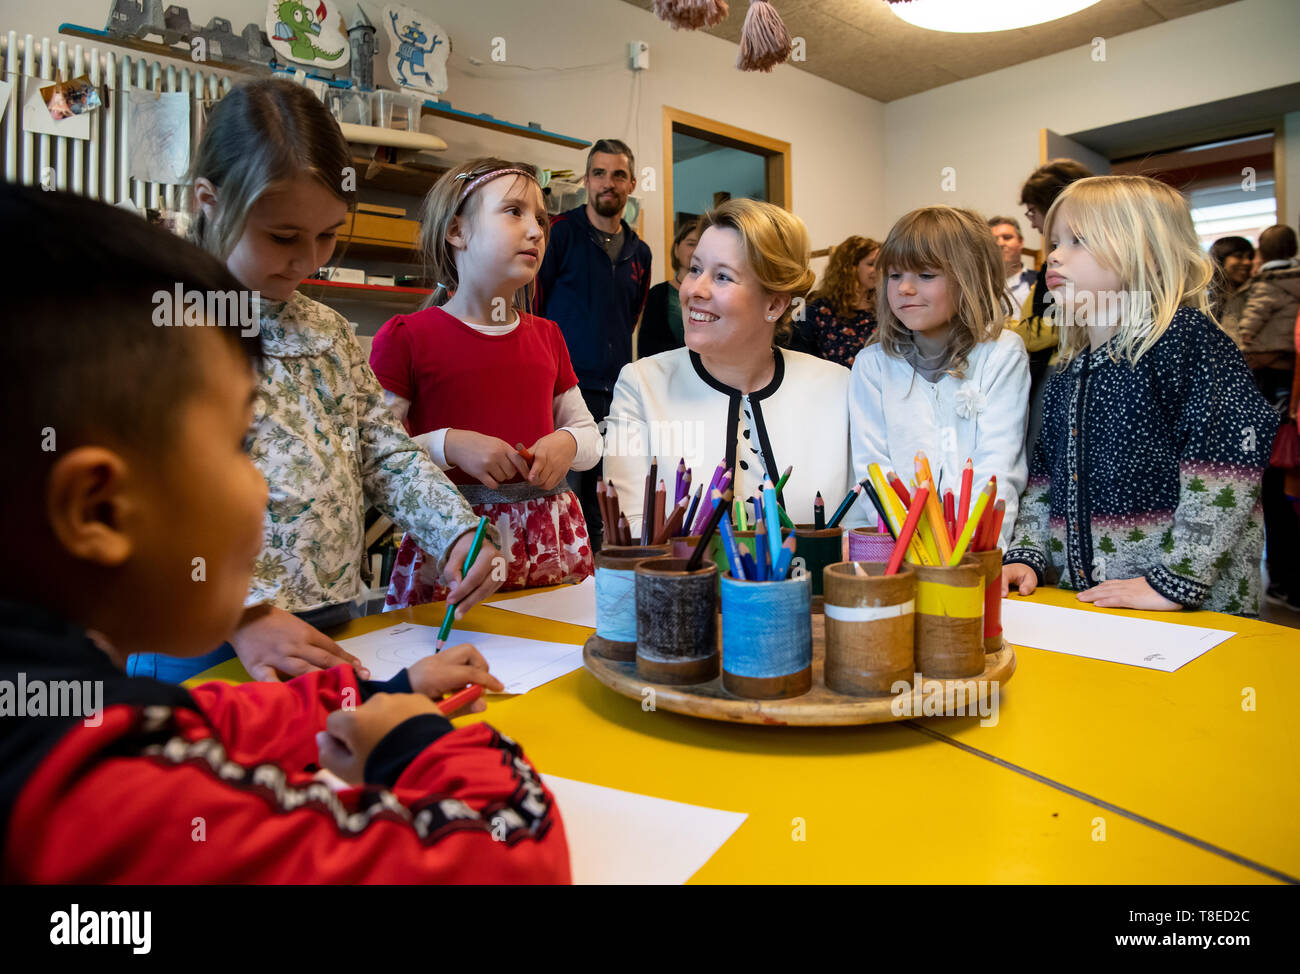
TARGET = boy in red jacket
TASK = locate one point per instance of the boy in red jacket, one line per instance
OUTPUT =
(138, 516)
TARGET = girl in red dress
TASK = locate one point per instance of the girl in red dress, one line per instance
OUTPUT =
(486, 388)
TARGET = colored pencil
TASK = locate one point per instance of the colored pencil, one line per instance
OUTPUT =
(921, 464)
(898, 515)
(963, 505)
(773, 522)
(909, 529)
(721, 503)
(844, 507)
(672, 525)
(972, 522)
(783, 517)
(460, 699)
(950, 515)
(677, 485)
(819, 512)
(782, 567)
(526, 454)
(661, 501)
(748, 563)
(896, 482)
(602, 501)
(729, 549)
(934, 512)
(879, 505)
(624, 530)
(995, 533)
(474, 547)
(762, 551)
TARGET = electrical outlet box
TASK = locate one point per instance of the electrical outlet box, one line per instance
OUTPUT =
(638, 55)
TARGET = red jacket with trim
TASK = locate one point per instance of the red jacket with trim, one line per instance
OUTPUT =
(216, 785)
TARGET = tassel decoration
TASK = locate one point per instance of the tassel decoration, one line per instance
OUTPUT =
(691, 14)
(764, 41)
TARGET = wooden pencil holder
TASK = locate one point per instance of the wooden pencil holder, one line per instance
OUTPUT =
(676, 621)
(818, 548)
(869, 628)
(870, 544)
(767, 637)
(950, 619)
(615, 636)
(990, 563)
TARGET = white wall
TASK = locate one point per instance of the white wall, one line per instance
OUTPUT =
(986, 128)
(837, 135)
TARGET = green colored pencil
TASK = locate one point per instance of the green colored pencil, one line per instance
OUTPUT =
(445, 629)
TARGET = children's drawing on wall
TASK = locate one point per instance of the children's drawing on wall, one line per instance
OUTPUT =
(158, 134)
(308, 33)
(417, 50)
(67, 98)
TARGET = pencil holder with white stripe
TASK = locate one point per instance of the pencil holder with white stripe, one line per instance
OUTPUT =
(615, 636)
(869, 627)
(950, 619)
(767, 637)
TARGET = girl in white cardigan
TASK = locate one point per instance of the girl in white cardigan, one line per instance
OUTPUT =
(941, 376)
(731, 396)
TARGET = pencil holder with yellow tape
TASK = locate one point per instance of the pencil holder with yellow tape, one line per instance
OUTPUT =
(615, 636)
(869, 627)
(817, 547)
(950, 619)
(676, 621)
(990, 563)
(767, 637)
(870, 544)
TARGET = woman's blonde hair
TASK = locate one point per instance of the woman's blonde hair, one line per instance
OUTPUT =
(839, 285)
(447, 200)
(1141, 229)
(776, 248)
(958, 244)
(259, 135)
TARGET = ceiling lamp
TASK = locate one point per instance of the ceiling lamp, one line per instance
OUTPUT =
(983, 16)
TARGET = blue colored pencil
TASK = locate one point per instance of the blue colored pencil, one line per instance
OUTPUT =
(783, 563)
(729, 548)
(773, 522)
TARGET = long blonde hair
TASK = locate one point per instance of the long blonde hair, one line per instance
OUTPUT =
(839, 284)
(1141, 229)
(446, 201)
(958, 244)
(776, 246)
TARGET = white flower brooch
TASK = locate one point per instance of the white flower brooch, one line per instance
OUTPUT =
(970, 400)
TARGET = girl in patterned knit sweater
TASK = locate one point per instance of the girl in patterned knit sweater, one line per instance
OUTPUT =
(1144, 484)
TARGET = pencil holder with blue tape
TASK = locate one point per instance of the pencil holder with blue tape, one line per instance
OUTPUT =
(767, 637)
(676, 621)
(950, 619)
(615, 636)
(869, 628)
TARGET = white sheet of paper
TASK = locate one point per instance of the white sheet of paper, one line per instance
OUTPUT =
(1113, 639)
(521, 664)
(158, 130)
(37, 117)
(5, 88)
(574, 604)
(622, 837)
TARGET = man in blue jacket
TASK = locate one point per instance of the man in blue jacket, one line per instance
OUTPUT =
(593, 283)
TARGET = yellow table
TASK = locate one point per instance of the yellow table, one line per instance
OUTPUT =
(893, 803)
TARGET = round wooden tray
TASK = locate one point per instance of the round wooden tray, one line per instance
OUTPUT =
(820, 706)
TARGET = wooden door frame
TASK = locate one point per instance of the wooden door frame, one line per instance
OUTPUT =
(776, 153)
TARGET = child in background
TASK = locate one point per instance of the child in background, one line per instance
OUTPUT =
(473, 375)
(942, 377)
(269, 202)
(1144, 489)
(149, 470)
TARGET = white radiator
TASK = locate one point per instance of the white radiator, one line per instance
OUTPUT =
(99, 168)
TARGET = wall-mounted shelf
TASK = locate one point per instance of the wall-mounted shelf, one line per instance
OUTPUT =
(442, 109)
(179, 52)
(371, 293)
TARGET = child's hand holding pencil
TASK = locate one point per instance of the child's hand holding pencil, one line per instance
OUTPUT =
(550, 459)
(452, 670)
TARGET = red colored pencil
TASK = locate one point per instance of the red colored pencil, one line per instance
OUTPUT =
(673, 524)
(899, 489)
(994, 535)
(526, 454)
(950, 515)
(661, 497)
(909, 528)
(460, 699)
(963, 505)
(624, 530)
